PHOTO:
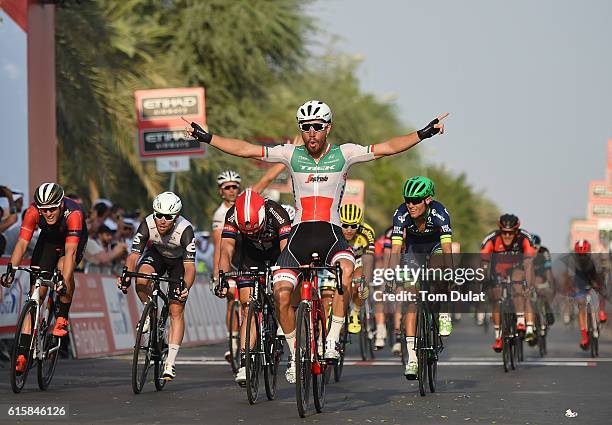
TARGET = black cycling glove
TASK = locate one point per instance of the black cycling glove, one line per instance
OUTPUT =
(428, 131)
(200, 134)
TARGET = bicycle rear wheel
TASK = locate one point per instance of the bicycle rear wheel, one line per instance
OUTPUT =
(404, 346)
(274, 352)
(364, 342)
(22, 345)
(234, 340)
(50, 353)
(591, 331)
(143, 348)
(319, 380)
(253, 355)
(303, 365)
(161, 342)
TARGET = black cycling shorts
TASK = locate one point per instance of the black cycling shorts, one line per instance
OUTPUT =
(47, 253)
(321, 237)
(162, 265)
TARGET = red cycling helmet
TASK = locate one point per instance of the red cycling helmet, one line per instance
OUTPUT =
(582, 247)
(508, 222)
(250, 212)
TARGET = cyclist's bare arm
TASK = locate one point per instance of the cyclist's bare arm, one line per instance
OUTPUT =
(228, 247)
(403, 143)
(282, 244)
(529, 271)
(131, 260)
(447, 251)
(368, 266)
(190, 273)
(19, 251)
(216, 235)
(69, 261)
(268, 178)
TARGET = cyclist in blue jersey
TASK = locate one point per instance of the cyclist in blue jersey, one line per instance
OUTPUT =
(424, 226)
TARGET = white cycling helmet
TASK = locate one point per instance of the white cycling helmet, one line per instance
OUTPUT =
(290, 210)
(314, 110)
(228, 176)
(167, 203)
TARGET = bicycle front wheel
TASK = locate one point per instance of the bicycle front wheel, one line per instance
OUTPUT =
(252, 352)
(143, 348)
(161, 341)
(422, 348)
(432, 361)
(339, 367)
(50, 354)
(274, 352)
(303, 364)
(319, 379)
(23, 346)
(234, 336)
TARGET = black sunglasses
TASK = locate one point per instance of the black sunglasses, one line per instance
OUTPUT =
(350, 226)
(168, 217)
(318, 126)
(231, 187)
(508, 232)
(414, 201)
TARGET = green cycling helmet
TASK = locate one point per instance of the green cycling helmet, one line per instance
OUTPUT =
(418, 187)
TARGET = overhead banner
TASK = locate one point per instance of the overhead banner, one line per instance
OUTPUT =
(159, 115)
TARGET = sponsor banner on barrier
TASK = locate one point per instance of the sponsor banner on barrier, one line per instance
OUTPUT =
(103, 320)
(11, 301)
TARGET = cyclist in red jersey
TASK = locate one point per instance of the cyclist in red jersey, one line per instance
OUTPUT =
(508, 252)
(62, 240)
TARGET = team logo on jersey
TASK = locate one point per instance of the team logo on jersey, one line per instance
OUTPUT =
(277, 215)
(229, 228)
(316, 178)
(434, 212)
(285, 229)
(402, 218)
(137, 239)
(446, 229)
(191, 247)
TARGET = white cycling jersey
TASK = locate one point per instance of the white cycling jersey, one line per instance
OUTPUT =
(318, 186)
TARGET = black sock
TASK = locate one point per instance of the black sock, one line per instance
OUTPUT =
(24, 346)
(62, 309)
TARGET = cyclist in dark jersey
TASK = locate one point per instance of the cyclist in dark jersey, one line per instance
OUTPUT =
(424, 227)
(508, 253)
(264, 227)
(62, 240)
(544, 278)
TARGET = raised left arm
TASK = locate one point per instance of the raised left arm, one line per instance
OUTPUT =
(403, 143)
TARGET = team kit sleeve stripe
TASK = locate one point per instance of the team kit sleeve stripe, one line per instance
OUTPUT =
(446, 239)
(397, 240)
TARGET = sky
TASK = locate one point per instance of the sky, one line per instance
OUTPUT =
(528, 85)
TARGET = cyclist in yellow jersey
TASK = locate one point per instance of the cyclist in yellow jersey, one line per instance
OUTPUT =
(361, 239)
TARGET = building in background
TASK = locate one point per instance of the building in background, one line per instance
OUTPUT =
(597, 227)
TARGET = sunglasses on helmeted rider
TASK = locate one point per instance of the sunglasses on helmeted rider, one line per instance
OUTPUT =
(231, 187)
(414, 201)
(168, 217)
(317, 126)
(350, 226)
(48, 210)
(508, 232)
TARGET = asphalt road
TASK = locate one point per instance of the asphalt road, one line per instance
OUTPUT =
(472, 388)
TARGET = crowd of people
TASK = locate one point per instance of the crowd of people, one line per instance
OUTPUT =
(111, 229)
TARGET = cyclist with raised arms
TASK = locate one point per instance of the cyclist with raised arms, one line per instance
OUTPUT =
(508, 253)
(264, 226)
(165, 243)
(61, 244)
(424, 226)
(318, 170)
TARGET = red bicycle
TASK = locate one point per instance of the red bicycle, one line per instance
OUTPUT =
(310, 334)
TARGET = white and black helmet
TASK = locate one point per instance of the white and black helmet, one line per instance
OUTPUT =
(314, 110)
(228, 176)
(48, 195)
(167, 203)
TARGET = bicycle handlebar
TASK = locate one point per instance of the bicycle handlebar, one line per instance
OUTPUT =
(127, 275)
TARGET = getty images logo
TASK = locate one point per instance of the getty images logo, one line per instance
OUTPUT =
(312, 178)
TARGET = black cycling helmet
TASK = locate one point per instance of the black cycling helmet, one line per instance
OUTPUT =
(536, 240)
(48, 195)
(509, 222)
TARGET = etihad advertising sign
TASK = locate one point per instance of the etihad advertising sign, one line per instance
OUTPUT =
(160, 125)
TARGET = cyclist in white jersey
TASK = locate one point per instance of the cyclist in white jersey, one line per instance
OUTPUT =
(164, 243)
(318, 170)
